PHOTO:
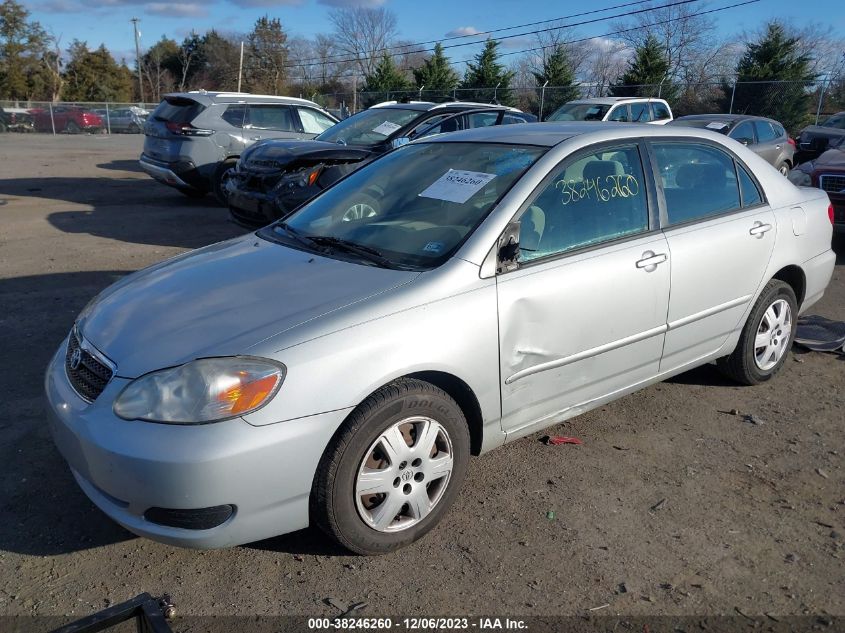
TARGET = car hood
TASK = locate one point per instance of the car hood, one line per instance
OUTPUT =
(819, 130)
(221, 300)
(831, 159)
(278, 155)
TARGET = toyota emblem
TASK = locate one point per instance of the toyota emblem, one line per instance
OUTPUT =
(75, 358)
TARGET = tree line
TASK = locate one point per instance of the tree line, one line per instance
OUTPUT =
(670, 51)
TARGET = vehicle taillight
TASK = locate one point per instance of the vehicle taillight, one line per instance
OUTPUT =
(791, 141)
(830, 212)
(186, 129)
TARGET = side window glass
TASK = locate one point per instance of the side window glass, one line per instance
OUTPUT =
(743, 133)
(749, 191)
(234, 115)
(483, 119)
(510, 119)
(271, 117)
(765, 133)
(640, 113)
(660, 111)
(619, 113)
(698, 181)
(314, 122)
(593, 198)
(449, 126)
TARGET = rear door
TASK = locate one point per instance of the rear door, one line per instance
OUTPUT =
(271, 120)
(640, 112)
(769, 144)
(721, 233)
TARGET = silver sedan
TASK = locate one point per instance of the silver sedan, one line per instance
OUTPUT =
(340, 369)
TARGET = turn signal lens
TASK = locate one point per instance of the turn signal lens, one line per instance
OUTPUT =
(312, 177)
(830, 212)
(205, 390)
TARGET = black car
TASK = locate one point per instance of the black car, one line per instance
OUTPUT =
(814, 139)
(15, 120)
(273, 178)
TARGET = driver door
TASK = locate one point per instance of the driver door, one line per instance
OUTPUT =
(583, 314)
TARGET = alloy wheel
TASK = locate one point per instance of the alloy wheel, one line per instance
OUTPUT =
(773, 335)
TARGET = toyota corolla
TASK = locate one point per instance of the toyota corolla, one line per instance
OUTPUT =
(341, 371)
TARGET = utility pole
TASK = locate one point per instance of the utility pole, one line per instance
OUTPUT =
(138, 57)
(241, 67)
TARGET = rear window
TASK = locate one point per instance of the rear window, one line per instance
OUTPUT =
(177, 110)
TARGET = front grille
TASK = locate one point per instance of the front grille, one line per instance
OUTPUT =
(832, 183)
(88, 376)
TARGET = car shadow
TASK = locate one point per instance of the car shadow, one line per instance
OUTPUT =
(130, 209)
(121, 165)
(309, 541)
(44, 511)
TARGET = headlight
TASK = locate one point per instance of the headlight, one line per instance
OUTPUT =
(800, 178)
(205, 390)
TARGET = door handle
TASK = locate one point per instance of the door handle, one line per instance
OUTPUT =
(254, 138)
(650, 261)
(777, 146)
(759, 229)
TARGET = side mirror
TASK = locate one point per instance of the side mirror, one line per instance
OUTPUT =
(508, 248)
(744, 140)
(399, 142)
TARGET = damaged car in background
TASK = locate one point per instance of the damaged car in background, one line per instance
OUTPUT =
(339, 371)
(827, 172)
(275, 177)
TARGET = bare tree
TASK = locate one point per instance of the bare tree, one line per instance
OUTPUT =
(606, 62)
(361, 34)
(53, 62)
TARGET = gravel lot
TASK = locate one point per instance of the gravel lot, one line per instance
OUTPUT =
(753, 518)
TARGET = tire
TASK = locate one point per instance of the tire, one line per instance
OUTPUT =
(217, 181)
(72, 127)
(773, 317)
(783, 168)
(420, 489)
(133, 128)
(192, 193)
(3, 128)
(365, 206)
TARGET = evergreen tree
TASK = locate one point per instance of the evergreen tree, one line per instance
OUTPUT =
(437, 75)
(774, 57)
(557, 71)
(95, 76)
(647, 74)
(386, 79)
(486, 73)
(268, 55)
(23, 45)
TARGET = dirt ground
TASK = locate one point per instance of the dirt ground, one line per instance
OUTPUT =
(696, 511)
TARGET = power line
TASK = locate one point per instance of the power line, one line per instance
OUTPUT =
(332, 58)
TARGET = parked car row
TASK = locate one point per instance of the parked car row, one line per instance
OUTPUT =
(339, 368)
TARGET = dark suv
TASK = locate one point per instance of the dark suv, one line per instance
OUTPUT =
(194, 138)
(275, 177)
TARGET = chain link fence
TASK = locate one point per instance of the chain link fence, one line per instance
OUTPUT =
(793, 103)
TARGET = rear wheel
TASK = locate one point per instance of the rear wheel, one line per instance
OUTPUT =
(393, 469)
(766, 337)
(783, 168)
(221, 174)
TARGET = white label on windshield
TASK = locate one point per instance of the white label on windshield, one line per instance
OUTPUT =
(457, 185)
(386, 128)
(717, 125)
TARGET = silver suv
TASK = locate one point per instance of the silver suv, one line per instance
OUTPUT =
(194, 138)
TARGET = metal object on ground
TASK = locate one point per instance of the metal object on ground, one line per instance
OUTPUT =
(150, 614)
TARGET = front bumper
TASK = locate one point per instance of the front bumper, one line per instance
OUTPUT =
(127, 467)
(252, 208)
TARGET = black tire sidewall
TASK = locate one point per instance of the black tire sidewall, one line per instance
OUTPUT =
(217, 185)
(354, 533)
(776, 290)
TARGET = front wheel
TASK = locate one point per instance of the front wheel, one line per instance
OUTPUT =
(221, 175)
(393, 469)
(766, 337)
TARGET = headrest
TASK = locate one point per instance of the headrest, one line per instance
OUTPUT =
(602, 168)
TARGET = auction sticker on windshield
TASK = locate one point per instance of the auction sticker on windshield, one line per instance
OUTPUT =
(717, 125)
(386, 128)
(457, 185)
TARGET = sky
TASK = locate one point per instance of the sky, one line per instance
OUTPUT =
(107, 21)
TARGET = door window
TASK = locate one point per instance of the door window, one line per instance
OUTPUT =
(429, 126)
(592, 198)
(765, 132)
(698, 181)
(640, 112)
(234, 115)
(313, 121)
(271, 117)
(747, 189)
(660, 111)
(619, 113)
(744, 133)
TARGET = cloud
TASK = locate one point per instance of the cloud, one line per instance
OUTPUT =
(352, 4)
(463, 30)
(268, 3)
(187, 10)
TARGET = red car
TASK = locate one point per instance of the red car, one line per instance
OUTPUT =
(826, 172)
(70, 119)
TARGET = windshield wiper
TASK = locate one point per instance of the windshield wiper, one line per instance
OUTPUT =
(367, 252)
(297, 236)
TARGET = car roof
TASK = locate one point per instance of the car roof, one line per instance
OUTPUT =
(425, 106)
(206, 97)
(552, 133)
(615, 100)
(721, 117)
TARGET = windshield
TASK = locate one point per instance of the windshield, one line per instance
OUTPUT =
(579, 112)
(716, 125)
(413, 207)
(369, 127)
